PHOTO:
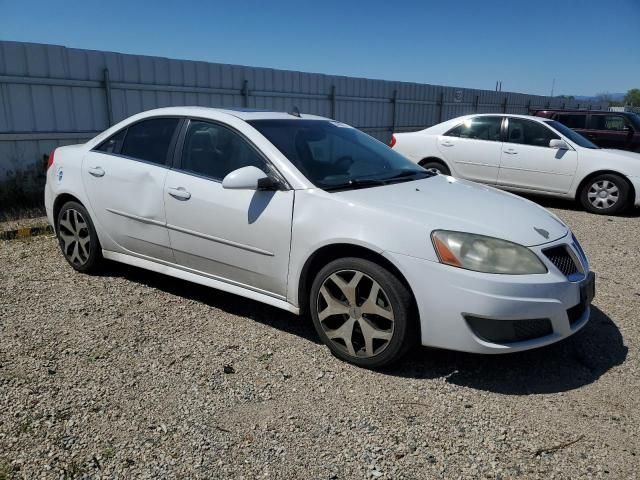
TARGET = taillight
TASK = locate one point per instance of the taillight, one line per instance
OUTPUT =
(392, 142)
(50, 159)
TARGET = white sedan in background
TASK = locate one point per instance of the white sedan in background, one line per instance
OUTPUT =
(527, 154)
(313, 216)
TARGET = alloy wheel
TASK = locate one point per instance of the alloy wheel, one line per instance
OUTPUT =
(355, 313)
(603, 194)
(75, 237)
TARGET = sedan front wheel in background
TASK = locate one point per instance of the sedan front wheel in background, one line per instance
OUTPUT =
(606, 194)
(363, 312)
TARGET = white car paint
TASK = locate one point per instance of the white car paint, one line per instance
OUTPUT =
(514, 166)
(256, 243)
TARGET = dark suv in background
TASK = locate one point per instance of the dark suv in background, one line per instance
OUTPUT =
(606, 129)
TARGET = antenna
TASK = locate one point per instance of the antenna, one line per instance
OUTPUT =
(295, 112)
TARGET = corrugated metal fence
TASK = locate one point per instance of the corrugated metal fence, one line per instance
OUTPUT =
(52, 95)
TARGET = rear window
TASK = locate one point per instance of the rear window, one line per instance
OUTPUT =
(573, 120)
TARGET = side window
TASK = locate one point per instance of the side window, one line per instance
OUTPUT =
(112, 144)
(149, 140)
(478, 128)
(614, 123)
(528, 132)
(213, 151)
(573, 120)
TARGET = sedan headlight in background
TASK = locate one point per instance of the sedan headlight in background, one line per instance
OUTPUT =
(485, 254)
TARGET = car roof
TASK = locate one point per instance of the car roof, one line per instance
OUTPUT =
(601, 112)
(245, 114)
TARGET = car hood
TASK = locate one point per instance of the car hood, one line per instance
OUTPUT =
(447, 203)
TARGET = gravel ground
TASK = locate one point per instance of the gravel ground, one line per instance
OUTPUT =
(130, 374)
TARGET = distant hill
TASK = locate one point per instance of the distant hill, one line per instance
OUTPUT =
(617, 97)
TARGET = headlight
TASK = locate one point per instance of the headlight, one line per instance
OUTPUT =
(485, 254)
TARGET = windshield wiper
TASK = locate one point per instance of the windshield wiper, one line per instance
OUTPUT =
(355, 183)
(407, 175)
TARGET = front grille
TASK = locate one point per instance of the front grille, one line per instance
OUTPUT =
(574, 313)
(509, 331)
(562, 259)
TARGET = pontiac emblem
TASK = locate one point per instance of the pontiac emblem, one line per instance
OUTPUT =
(542, 232)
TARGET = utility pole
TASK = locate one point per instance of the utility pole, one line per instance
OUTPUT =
(553, 85)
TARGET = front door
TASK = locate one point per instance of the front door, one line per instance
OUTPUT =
(238, 236)
(528, 162)
(473, 148)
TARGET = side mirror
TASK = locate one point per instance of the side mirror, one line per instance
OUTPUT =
(558, 144)
(249, 178)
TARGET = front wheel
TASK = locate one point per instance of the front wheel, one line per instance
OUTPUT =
(77, 237)
(363, 312)
(606, 194)
(436, 167)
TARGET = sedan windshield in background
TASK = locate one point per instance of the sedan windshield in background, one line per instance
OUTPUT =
(572, 135)
(336, 156)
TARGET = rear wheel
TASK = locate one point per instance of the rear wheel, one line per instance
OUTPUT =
(362, 312)
(605, 194)
(436, 167)
(77, 237)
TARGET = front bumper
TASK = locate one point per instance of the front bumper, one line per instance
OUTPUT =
(452, 300)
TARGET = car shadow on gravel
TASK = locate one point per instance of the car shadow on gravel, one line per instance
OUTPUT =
(577, 361)
(227, 302)
(572, 363)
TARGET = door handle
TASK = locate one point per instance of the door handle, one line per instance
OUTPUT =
(96, 171)
(447, 144)
(179, 193)
(510, 151)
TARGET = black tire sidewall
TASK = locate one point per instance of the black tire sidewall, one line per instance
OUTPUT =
(438, 166)
(406, 327)
(619, 206)
(95, 250)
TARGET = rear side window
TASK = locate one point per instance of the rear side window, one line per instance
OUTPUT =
(608, 122)
(478, 128)
(573, 120)
(113, 144)
(149, 140)
(214, 151)
(527, 132)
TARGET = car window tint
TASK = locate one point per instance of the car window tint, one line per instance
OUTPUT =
(478, 128)
(149, 140)
(112, 144)
(573, 120)
(607, 122)
(214, 151)
(528, 132)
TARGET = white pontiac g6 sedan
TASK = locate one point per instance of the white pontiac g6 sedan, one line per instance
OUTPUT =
(530, 155)
(313, 216)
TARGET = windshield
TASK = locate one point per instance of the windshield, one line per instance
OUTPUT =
(635, 119)
(335, 156)
(572, 135)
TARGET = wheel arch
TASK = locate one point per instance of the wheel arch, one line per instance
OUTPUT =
(328, 253)
(59, 201)
(429, 159)
(590, 176)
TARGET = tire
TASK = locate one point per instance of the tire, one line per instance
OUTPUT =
(606, 194)
(77, 238)
(388, 320)
(436, 167)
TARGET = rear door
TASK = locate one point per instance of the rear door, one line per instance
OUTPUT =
(473, 148)
(124, 179)
(528, 161)
(238, 236)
